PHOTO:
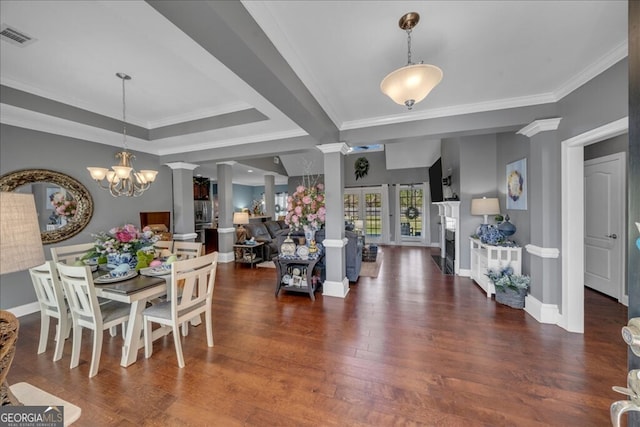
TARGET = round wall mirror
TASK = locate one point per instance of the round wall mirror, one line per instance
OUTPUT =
(64, 205)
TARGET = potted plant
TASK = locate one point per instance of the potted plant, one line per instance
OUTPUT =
(511, 289)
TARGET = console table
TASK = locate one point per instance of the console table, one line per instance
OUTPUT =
(484, 257)
(305, 281)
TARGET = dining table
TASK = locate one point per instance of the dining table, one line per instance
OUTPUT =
(136, 291)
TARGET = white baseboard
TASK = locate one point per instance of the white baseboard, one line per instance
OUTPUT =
(543, 313)
(225, 257)
(464, 272)
(335, 289)
(23, 310)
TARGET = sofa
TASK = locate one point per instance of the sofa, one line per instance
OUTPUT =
(266, 232)
(353, 250)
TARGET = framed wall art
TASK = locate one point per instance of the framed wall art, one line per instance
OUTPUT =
(517, 185)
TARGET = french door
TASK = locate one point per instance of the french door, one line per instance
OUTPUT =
(367, 205)
(411, 218)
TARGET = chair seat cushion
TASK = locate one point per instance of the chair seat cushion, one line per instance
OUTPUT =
(114, 310)
(163, 310)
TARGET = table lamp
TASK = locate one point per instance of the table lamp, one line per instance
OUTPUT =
(240, 219)
(20, 249)
(485, 207)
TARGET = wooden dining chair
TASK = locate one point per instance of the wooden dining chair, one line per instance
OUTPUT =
(71, 253)
(161, 245)
(50, 295)
(187, 250)
(198, 275)
(87, 313)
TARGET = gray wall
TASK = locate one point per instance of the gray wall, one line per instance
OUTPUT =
(26, 149)
(512, 147)
(619, 144)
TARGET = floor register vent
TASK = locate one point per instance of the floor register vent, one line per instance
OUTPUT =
(13, 36)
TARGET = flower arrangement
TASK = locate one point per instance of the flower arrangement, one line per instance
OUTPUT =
(511, 289)
(305, 207)
(63, 205)
(504, 278)
(126, 239)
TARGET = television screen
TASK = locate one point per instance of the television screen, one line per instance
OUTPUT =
(435, 181)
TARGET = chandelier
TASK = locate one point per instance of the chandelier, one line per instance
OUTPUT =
(123, 179)
(410, 84)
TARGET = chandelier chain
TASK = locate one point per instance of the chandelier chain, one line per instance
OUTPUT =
(124, 117)
(409, 47)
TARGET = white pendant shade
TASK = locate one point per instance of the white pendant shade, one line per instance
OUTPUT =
(411, 84)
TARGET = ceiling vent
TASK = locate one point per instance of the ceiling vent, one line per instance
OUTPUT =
(13, 36)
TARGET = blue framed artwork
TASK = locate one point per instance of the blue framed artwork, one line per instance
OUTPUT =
(517, 185)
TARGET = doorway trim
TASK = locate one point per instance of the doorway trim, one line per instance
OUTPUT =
(572, 153)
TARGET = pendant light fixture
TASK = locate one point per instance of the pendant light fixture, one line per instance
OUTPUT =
(123, 179)
(410, 84)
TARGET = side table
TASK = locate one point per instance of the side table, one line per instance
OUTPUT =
(304, 282)
(248, 254)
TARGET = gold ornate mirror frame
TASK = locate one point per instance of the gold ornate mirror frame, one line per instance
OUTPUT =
(84, 207)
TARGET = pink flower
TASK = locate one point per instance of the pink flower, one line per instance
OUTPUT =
(320, 186)
(298, 210)
(123, 236)
(319, 198)
(306, 200)
(300, 189)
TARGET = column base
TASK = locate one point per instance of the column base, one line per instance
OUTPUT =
(225, 257)
(335, 289)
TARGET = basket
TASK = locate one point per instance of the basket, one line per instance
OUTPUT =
(511, 297)
(369, 253)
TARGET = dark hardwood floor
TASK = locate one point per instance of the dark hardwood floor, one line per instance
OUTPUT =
(411, 347)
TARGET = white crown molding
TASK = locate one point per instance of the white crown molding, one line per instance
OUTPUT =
(434, 113)
(615, 55)
(541, 125)
(32, 120)
(610, 130)
(197, 115)
(113, 113)
(336, 147)
(178, 149)
(542, 252)
(182, 165)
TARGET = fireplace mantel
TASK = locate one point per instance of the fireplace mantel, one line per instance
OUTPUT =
(449, 213)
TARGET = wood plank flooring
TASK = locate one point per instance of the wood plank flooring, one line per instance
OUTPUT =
(410, 347)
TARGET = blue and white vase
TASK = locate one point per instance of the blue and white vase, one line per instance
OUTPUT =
(309, 235)
(116, 259)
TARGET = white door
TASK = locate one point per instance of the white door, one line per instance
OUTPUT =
(366, 204)
(604, 222)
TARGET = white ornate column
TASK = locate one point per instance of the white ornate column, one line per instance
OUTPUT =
(183, 216)
(336, 283)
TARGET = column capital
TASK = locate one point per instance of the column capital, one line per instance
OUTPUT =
(182, 165)
(538, 126)
(230, 163)
(336, 147)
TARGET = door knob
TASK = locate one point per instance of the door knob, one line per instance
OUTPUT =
(613, 236)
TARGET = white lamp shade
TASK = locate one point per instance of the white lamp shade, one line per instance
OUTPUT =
(122, 172)
(358, 224)
(98, 173)
(485, 206)
(149, 175)
(20, 241)
(411, 82)
(241, 217)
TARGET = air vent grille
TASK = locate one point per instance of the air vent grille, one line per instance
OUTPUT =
(13, 36)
